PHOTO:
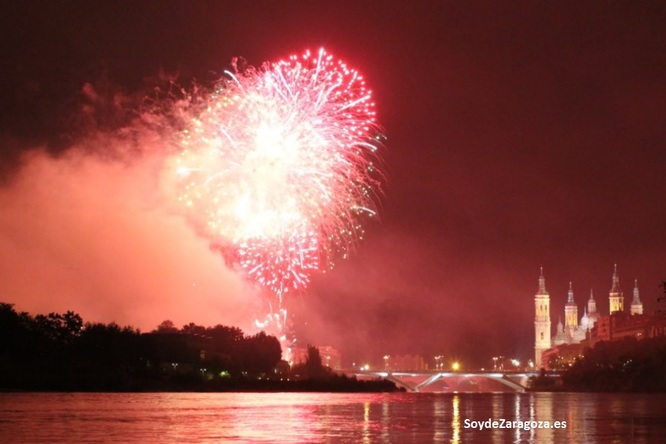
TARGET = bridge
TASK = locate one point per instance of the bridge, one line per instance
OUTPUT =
(415, 381)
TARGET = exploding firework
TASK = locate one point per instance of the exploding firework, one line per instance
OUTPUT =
(278, 167)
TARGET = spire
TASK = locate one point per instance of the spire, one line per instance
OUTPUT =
(591, 303)
(636, 304)
(637, 299)
(542, 283)
(615, 297)
(542, 331)
(570, 299)
(616, 282)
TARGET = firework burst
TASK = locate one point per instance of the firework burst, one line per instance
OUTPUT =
(277, 169)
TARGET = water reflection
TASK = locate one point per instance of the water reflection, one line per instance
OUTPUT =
(517, 414)
(455, 419)
(312, 417)
(366, 422)
(532, 416)
(439, 412)
(386, 421)
(497, 412)
(544, 409)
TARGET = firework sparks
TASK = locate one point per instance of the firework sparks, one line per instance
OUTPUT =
(278, 167)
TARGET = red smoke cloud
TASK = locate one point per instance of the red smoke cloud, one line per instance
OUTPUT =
(91, 233)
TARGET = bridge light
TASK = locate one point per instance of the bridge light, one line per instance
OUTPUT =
(455, 366)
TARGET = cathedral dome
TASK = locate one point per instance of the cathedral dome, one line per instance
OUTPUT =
(560, 338)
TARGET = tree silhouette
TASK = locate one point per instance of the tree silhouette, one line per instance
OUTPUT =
(166, 327)
(61, 352)
(260, 353)
(313, 367)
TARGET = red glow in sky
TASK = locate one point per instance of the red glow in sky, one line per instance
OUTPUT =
(519, 136)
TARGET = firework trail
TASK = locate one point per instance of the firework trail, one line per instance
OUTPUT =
(278, 168)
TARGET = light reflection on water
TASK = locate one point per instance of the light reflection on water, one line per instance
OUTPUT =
(455, 419)
(366, 422)
(326, 417)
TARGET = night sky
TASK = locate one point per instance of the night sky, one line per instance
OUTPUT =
(518, 136)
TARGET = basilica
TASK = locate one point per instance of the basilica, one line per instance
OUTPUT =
(574, 330)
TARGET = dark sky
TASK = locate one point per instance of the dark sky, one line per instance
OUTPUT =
(519, 136)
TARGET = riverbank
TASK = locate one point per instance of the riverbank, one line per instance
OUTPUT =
(334, 384)
(61, 353)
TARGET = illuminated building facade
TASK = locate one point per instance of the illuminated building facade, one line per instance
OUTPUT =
(636, 304)
(615, 297)
(572, 330)
(575, 332)
(541, 321)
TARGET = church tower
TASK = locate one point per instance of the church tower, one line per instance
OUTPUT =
(570, 314)
(615, 297)
(592, 314)
(636, 304)
(541, 321)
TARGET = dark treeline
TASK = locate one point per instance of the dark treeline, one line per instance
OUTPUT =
(627, 365)
(61, 352)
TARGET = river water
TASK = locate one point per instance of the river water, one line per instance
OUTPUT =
(330, 418)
